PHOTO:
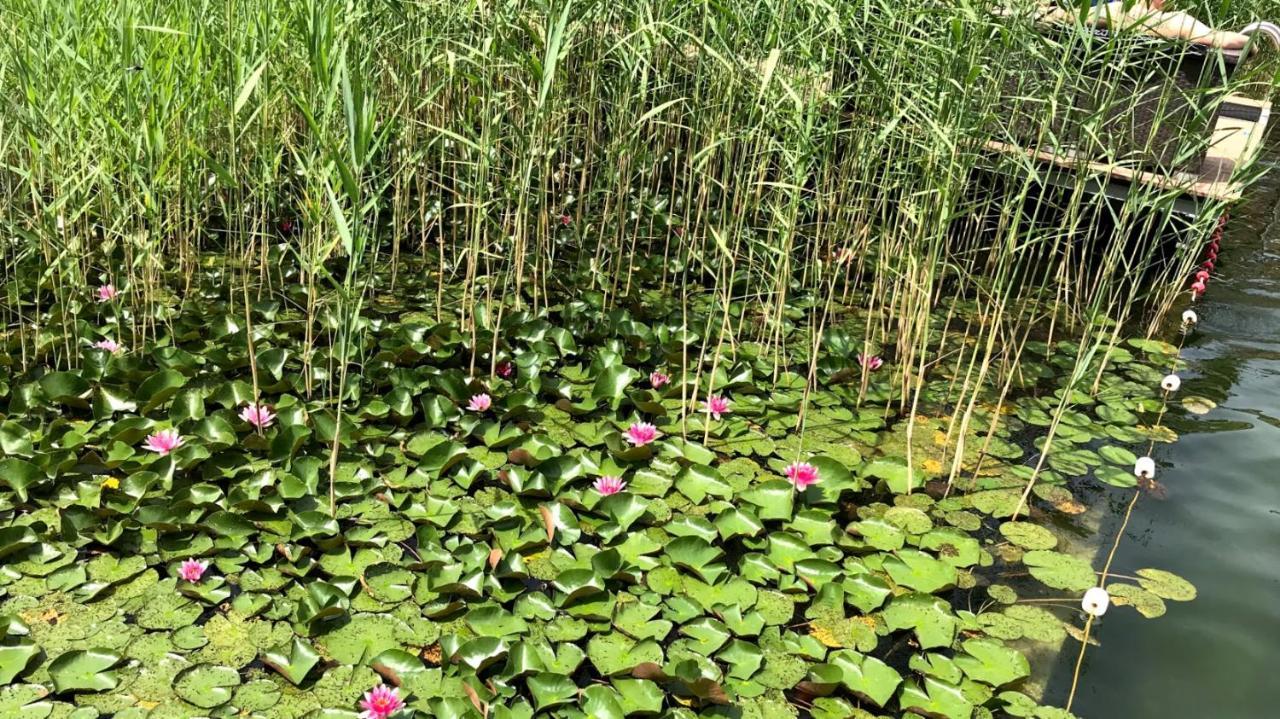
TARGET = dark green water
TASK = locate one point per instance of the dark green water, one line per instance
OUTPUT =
(1216, 657)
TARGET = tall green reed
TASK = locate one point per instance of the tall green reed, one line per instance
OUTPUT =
(744, 157)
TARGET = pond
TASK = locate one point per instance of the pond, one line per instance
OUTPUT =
(1220, 524)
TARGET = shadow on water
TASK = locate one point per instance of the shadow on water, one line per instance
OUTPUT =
(1220, 525)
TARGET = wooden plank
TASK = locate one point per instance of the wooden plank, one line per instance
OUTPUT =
(1233, 144)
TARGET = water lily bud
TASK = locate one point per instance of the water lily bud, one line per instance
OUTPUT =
(1145, 467)
(1190, 317)
(1171, 383)
(1095, 602)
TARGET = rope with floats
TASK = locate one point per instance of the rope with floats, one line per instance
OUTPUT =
(1096, 599)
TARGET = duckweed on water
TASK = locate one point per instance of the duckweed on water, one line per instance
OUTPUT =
(586, 542)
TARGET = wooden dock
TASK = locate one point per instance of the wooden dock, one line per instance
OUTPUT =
(1238, 134)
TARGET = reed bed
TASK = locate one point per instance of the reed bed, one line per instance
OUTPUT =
(749, 154)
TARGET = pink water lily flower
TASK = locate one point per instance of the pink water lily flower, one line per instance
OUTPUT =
(657, 379)
(106, 293)
(641, 433)
(480, 403)
(164, 441)
(108, 345)
(802, 474)
(192, 570)
(380, 702)
(870, 362)
(608, 485)
(258, 415)
(716, 406)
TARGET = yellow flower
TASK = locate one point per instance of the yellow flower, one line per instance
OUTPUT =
(111, 483)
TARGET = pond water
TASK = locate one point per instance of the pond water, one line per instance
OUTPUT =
(1220, 524)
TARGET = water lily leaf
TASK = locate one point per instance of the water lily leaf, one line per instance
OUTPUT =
(1118, 455)
(738, 522)
(935, 698)
(158, 388)
(1148, 604)
(920, 571)
(953, 546)
(389, 583)
(909, 519)
(624, 509)
(84, 670)
(616, 653)
(611, 384)
(551, 690)
(637, 621)
(1060, 571)
(480, 652)
(866, 591)
(895, 473)
(1028, 535)
(16, 538)
(1116, 477)
(495, 622)
(785, 549)
(14, 659)
(1166, 585)
(602, 702)
(697, 481)
(65, 388)
(880, 534)
(992, 663)
(564, 659)
(294, 661)
(206, 685)
(744, 658)
(867, 677)
(929, 617)
(708, 635)
(1198, 405)
(256, 696)
(697, 555)
(996, 502)
(834, 476)
(687, 450)
(774, 499)
(288, 440)
(397, 666)
(19, 474)
(817, 572)
(638, 696)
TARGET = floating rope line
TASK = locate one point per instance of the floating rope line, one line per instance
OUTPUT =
(1144, 468)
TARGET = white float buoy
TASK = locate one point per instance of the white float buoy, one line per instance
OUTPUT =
(1095, 602)
(1145, 467)
(1189, 317)
(1171, 383)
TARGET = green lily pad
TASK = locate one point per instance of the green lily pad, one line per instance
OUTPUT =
(1166, 585)
(1060, 571)
(206, 685)
(84, 670)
